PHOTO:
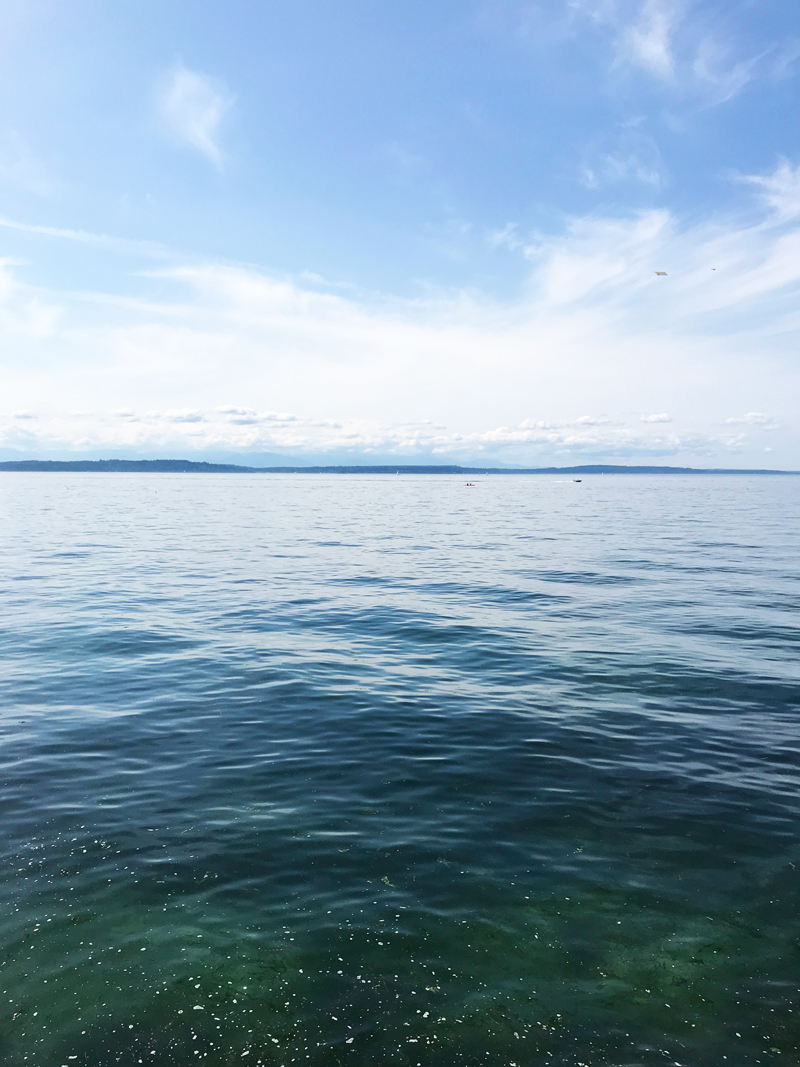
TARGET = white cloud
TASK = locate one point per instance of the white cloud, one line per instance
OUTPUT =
(754, 418)
(238, 360)
(193, 106)
(182, 416)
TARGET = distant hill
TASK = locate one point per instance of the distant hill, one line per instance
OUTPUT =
(187, 466)
(136, 466)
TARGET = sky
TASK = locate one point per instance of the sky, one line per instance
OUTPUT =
(318, 231)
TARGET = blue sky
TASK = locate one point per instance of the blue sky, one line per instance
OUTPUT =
(365, 231)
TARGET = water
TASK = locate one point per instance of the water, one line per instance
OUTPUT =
(333, 770)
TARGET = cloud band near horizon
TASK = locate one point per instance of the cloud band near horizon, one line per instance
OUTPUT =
(597, 357)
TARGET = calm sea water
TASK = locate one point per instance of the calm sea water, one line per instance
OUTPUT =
(333, 770)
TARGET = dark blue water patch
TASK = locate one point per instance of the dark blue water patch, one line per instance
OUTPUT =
(463, 590)
(70, 643)
(335, 544)
(783, 638)
(585, 578)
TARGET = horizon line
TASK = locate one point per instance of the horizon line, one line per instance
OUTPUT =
(178, 466)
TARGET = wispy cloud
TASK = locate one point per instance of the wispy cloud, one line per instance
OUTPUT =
(508, 237)
(617, 168)
(673, 42)
(101, 240)
(787, 55)
(193, 105)
(647, 41)
(722, 76)
(21, 166)
(26, 316)
(780, 190)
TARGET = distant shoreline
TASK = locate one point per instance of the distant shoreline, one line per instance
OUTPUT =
(185, 466)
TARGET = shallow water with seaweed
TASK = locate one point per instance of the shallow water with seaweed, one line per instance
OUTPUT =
(340, 770)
